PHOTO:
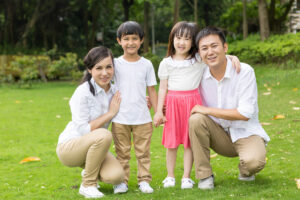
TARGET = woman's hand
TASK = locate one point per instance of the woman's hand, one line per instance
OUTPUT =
(159, 119)
(115, 104)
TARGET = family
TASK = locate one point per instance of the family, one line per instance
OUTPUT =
(206, 100)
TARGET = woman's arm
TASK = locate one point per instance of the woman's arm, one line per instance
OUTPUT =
(112, 111)
(159, 116)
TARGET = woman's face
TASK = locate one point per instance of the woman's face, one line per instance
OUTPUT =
(103, 72)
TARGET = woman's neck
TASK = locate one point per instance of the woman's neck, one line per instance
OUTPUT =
(181, 56)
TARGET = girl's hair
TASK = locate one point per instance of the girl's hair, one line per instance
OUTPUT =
(94, 56)
(187, 29)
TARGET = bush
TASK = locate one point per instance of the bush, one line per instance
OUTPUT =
(276, 49)
(154, 59)
(63, 66)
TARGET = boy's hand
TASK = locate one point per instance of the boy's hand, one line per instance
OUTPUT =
(159, 119)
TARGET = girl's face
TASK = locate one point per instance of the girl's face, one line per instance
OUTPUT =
(182, 45)
(103, 72)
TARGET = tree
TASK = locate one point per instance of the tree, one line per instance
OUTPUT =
(146, 25)
(245, 22)
(176, 11)
(126, 6)
(263, 20)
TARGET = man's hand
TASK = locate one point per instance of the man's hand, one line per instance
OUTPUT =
(200, 109)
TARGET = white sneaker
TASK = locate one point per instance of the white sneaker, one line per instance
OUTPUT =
(246, 178)
(90, 192)
(207, 183)
(145, 187)
(187, 183)
(82, 174)
(121, 188)
(169, 182)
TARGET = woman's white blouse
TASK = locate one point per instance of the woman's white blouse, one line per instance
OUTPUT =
(86, 107)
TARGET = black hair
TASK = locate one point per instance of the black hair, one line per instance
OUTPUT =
(94, 56)
(210, 31)
(130, 28)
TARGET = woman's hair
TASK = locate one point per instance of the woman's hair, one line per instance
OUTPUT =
(94, 56)
(130, 28)
(187, 29)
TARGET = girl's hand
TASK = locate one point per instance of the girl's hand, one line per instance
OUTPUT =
(235, 63)
(159, 119)
(200, 109)
(115, 104)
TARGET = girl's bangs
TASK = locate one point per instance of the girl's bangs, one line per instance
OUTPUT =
(183, 32)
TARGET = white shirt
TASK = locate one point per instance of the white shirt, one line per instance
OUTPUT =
(86, 107)
(182, 75)
(234, 91)
(132, 79)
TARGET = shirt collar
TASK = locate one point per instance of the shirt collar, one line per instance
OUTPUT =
(207, 73)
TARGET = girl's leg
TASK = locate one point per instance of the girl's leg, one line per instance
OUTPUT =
(171, 161)
(187, 162)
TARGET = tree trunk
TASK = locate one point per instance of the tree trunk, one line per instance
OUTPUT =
(153, 28)
(146, 26)
(176, 11)
(126, 6)
(9, 22)
(196, 11)
(263, 20)
(245, 22)
(95, 17)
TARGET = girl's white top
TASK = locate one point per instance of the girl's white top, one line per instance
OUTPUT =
(182, 75)
(86, 107)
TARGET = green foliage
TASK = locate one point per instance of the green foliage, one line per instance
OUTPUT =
(277, 48)
(154, 59)
(63, 66)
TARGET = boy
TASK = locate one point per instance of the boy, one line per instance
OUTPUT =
(133, 75)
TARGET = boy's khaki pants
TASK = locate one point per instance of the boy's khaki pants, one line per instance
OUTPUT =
(91, 153)
(205, 134)
(141, 141)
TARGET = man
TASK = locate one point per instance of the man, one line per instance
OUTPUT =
(228, 120)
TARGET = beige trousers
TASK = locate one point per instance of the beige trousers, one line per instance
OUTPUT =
(141, 141)
(205, 134)
(91, 153)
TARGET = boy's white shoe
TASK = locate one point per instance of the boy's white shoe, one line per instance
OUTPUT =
(121, 188)
(207, 183)
(90, 192)
(246, 178)
(169, 182)
(82, 174)
(145, 187)
(187, 183)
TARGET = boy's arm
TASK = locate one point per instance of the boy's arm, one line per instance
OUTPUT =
(159, 116)
(153, 97)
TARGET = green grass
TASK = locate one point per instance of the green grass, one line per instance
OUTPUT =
(29, 126)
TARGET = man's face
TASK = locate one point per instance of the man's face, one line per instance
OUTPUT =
(130, 44)
(212, 51)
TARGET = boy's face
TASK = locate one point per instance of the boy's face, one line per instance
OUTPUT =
(130, 44)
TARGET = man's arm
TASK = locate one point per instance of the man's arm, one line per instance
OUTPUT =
(228, 114)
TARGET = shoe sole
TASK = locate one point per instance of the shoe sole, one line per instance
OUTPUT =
(89, 196)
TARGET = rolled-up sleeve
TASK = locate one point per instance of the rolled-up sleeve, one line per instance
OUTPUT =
(247, 94)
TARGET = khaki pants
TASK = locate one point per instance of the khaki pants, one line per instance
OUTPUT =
(141, 141)
(91, 153)
(205, 134)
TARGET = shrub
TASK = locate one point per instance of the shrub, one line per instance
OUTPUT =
(154, 59)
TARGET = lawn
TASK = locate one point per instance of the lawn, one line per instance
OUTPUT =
(31, 120)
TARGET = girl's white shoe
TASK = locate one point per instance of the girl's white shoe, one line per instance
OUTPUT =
(187, 183)
(169, 182)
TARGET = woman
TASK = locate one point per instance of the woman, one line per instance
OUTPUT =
(85, 141)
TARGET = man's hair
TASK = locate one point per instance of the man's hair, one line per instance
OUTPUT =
(130, 28)
(210, 31)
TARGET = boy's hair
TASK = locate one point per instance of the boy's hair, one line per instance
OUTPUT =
(184, 28)
(210, 31)
(129, 28)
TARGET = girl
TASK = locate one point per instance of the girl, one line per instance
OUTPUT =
(85, 141)
(180, 74)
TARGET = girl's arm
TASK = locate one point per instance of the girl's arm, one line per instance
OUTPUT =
(159, 116)
(112, 111)
(235, 63)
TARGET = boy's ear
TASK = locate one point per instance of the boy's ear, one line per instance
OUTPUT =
(119, 41)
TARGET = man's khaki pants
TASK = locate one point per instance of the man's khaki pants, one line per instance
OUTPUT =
(141, 141)
(205, 134)
(91, 153)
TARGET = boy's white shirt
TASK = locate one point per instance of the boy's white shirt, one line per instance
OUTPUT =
(132, 80)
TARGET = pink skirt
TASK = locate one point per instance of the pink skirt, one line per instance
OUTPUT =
(178, 107)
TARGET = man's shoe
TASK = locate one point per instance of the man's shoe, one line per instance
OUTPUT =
(90, 192)
(246, 178)
(187, 183)
(121, 188)
(145, 187)
(82, 174)
(207, 183)
(169, 182)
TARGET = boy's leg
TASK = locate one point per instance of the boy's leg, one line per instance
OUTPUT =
(122, 140)
(142, 139)
(205, 134)
(252, 153)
